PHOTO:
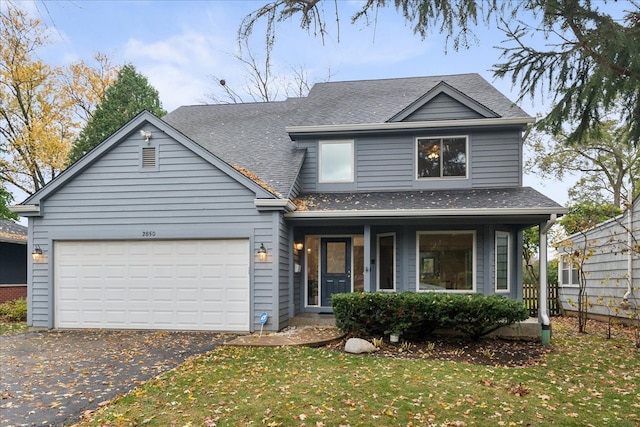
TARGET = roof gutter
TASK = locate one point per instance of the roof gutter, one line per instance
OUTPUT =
(274, 204)
(25, 209)
(424, 212)
(390, 126)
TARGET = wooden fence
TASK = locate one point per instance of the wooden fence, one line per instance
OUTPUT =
(530, 298)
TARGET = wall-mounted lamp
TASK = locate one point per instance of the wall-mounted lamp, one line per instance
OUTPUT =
(146, 135)
(36, 254)
(262, 252)
(298, 246)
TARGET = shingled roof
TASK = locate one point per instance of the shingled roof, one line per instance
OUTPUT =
(253, 137)
(438, 201)
(10, 232)
(250, 136)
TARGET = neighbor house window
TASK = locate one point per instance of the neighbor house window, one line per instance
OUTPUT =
(336, 161)
(442, 157)
(446, 261)
(386, 262)
(502, 263)
(569, 272)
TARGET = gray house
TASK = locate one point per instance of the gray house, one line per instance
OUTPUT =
(610, 268)
(215, 214)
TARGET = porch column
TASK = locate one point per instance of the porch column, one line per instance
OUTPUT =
(367, 258)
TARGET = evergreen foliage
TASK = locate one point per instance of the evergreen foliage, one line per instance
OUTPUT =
(128, 96)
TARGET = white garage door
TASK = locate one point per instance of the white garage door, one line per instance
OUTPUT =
(175, 285)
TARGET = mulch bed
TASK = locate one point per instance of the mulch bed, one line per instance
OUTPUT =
(490, 352)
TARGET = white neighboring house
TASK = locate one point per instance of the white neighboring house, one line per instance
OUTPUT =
(610, 258)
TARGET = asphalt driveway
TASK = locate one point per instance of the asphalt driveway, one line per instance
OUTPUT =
(52, 378)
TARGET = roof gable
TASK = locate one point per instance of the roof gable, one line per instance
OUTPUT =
(135, 125)
(443, 102)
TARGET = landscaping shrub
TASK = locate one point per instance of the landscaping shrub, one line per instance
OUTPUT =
(476, 315)
(14, 311)
(416, 315)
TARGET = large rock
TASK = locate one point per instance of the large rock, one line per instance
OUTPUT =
(358, 345)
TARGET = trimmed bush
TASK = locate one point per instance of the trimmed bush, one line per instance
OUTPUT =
(416, 315)
(14, 311)
(477, 315)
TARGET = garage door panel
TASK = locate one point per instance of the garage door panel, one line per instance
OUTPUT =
(173, 285)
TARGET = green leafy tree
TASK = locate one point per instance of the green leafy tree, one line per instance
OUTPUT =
(130, 94)
(585, 215)
(591, 59)
(5, 201)
(607, 165)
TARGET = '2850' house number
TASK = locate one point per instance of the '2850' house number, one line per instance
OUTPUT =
(148, 234)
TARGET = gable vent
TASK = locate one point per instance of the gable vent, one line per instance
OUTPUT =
(148, 157)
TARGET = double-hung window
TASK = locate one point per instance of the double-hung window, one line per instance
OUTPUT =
(442, 157)
(569, 272)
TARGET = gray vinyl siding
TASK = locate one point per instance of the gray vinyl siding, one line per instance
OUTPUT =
(496, 159)
(388, 163)
(282, 283)
(442, 107)
(186, 197)
(607, 274)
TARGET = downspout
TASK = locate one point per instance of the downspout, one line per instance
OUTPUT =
(629, 292)
(543, 315)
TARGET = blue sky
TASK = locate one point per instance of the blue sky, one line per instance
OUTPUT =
(179, 45)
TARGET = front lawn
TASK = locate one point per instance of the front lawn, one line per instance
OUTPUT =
(586, 380)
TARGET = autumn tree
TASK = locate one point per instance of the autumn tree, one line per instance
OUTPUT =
(41, 107)
(130, 94)
(591, 60)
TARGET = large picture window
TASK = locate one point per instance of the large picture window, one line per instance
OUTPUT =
(336, 161)
(446, 261)
(442, 157)
(502, 261)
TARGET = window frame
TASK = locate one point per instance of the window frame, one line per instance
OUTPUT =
(441, 177)
(474, 261)
(351, 177)
(509, 262)
(573, 266)
(395, 269)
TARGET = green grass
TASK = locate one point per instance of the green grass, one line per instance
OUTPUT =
(586, 380)
(12, 327)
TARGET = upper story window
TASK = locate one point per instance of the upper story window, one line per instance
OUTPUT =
(442, 157)
(336, 161)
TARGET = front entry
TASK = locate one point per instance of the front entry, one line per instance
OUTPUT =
(335, 271)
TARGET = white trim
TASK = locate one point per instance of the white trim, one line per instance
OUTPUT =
(285, 204)
(561, 268)
(474, 255)
(353, 166)
(441, 177)
(495, 262)
(25, 209)
(395, 269)
(385, 213)
(410, 125)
